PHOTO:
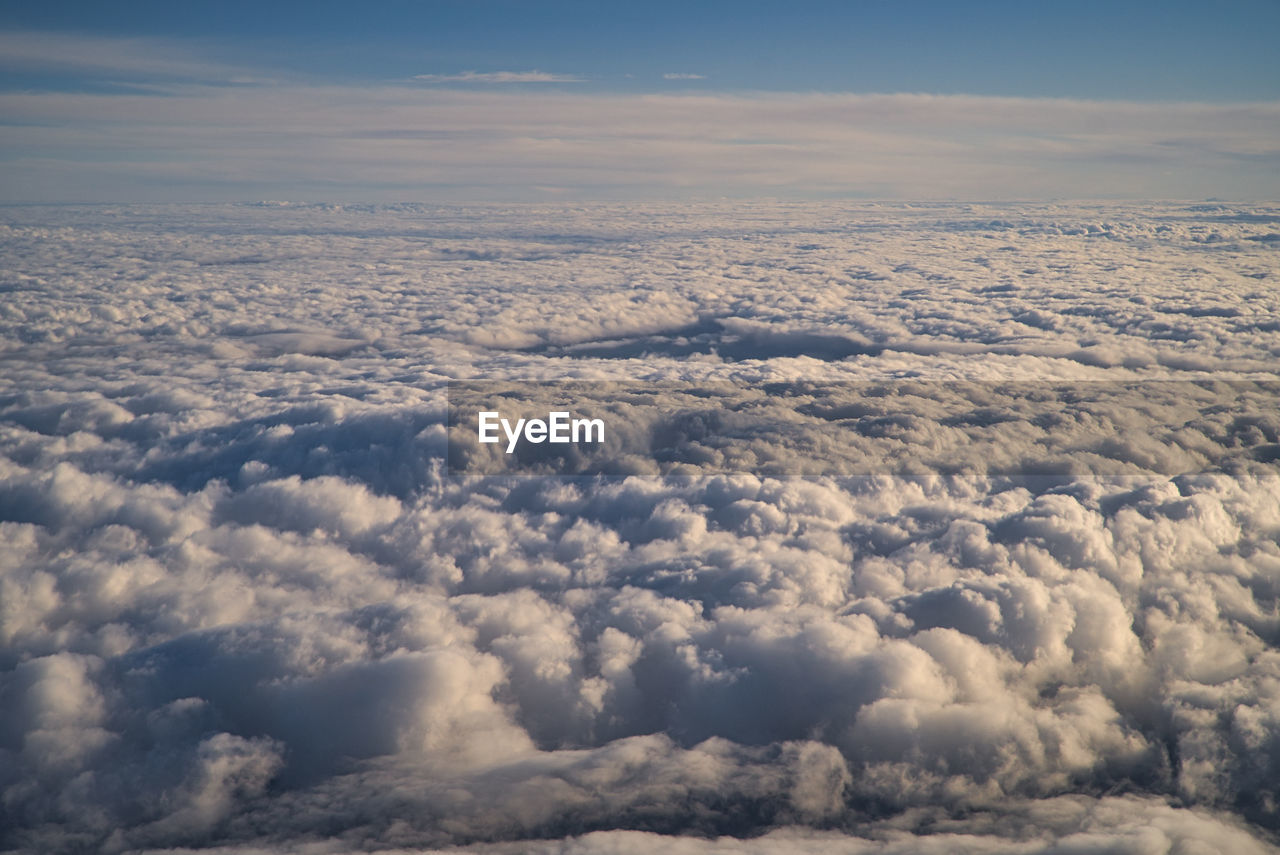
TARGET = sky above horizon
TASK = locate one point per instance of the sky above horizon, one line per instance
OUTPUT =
(509, 100)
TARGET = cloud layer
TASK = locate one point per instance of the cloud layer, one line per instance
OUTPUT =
(158, 124)
(242, 606)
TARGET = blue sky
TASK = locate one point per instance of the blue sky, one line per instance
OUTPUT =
(1145, 51)
(62, 66)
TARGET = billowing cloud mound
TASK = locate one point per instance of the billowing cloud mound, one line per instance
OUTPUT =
(243, 606)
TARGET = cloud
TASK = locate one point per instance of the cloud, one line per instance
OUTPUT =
(290, 140)
(136, 60)
(243, 608)
(285, 136)
(675, 75)
(500, 77)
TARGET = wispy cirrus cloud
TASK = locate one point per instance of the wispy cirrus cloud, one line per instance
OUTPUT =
(500, 77)
(133, 59)
(676, 75)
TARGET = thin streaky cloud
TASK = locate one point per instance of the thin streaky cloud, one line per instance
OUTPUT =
(118, 58)
(500, 77)
(73, 146)
(674, 75)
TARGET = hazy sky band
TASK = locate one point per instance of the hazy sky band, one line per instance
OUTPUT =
(399, 143)
(504, 101)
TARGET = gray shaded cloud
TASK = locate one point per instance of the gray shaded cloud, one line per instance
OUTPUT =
(1019, 430)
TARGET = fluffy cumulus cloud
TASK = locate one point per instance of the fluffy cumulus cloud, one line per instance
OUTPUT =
(245, 607)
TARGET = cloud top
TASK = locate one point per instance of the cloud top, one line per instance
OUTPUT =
(243, 607)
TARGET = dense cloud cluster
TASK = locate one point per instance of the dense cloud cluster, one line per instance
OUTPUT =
(243, 605)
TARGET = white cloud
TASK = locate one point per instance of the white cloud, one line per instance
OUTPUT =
(241, 609)
(500, 77)
(675, 75)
